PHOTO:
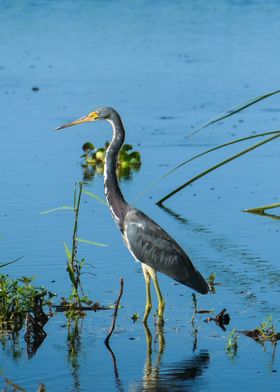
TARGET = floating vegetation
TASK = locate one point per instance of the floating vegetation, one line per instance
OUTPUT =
(135, 317)
(221, 319)
(265, 332)
(231, 347)
(18, 298)
(94, 159)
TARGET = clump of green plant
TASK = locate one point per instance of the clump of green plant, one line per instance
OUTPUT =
(211, 280)
(266, 331)
(231, 347)
(135, 317)
(74, 304)
(75, 266)
(18, 297)
(94, 158)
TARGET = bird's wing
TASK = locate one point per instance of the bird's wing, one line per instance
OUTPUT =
(151, 245)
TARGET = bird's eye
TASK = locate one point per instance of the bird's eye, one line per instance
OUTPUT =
(94, 115)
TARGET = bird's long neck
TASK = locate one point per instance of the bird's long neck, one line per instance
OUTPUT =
(115, 199)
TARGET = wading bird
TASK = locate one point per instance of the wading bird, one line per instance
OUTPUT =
(145, 239)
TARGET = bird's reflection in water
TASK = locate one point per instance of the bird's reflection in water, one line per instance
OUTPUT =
(176, 376)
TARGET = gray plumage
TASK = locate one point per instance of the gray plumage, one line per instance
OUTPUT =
(145, 239)
(151, 245)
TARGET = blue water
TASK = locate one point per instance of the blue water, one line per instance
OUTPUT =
(166, 67)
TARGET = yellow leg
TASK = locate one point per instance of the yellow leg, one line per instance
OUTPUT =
(148, 293)
(149, 273)
(161, 303)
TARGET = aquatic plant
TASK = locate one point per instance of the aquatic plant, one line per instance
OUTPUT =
(75, 267)
(273, 135)
(18, 297)
(94, 159)
(261, 210)
(231, 347)
(266, 331)
(211, 280)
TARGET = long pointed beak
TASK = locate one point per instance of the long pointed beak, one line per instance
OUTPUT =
(76, 122)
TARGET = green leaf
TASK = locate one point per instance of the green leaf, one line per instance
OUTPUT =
(94, 196)
(212, 168)
(234, 110)
(126, 147)
(91, 242)
(88, 147)
(10, 262)
(261, 209)
(57, 209)
(200, 155)
(135, 155)
(68, 253)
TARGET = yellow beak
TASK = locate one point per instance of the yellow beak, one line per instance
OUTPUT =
(90, 117)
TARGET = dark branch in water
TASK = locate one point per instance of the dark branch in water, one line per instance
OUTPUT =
(106, 341)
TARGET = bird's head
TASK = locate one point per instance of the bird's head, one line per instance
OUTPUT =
(105, 113)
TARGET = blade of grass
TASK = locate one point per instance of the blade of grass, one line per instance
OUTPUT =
(10, 262)
(68, 252)
(212, 168)
(69, 264)
(200, 155)
(91, 242)
(233, 111)
(96, 197)
(261, 209)
(57, 209)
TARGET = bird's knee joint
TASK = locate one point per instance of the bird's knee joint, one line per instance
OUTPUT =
(148, 307)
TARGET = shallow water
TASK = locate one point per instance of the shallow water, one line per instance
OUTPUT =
(167, 68)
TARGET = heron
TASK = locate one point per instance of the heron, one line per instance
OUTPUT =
(148, 243)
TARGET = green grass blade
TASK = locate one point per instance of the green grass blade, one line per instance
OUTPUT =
(57, 209)
(96, 197)
(200, 155)
(261, 209)
(10, 262)
(233, 111)
(212, 168)
(69, 264)
(68, 252)
(91, 242)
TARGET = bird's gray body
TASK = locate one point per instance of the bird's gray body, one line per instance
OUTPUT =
(146, 240)
(152, 245)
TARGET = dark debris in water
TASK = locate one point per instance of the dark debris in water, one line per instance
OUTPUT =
(35, 334)
(65, 307)
(221, 319)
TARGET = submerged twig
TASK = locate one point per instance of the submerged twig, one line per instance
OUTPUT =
(106, 341)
